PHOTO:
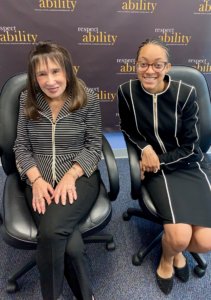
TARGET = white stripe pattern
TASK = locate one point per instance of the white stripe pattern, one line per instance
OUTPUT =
(75, 137)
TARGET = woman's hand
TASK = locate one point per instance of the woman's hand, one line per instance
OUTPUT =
(42, 192)
(66, 189)
(149, 161)
(142, 172)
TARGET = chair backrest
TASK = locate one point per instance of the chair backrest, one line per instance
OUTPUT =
(194, 77)
(9, 109)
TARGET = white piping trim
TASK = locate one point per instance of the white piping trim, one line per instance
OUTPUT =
(155, 118)
(181, 158)
(123, 97)
(188, 97)
(131, 139)
(54, 153)
(197, 133)
(205, 175)
(169, 198)
(132, 102)
(176, 123)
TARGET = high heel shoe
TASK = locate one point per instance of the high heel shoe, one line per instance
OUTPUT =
(165, 284)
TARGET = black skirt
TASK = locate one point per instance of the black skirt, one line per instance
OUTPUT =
(183, 195)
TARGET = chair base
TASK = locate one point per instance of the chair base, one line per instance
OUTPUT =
(106, 238)
(12, 284)
(130, 213)
(199, 269)
(136, 212)
(137, 258)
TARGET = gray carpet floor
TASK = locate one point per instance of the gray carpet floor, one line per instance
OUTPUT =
(112, 273)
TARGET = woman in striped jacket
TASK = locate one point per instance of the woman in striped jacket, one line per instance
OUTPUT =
(58, 147)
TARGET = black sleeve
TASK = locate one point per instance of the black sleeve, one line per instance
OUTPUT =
(127, 120)
(188, 149)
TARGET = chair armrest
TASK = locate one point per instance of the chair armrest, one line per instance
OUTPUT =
(135, 172)
(0, 140)
(18, 229)
(112, 170)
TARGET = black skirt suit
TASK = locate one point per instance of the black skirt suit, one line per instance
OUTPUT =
(168, 121)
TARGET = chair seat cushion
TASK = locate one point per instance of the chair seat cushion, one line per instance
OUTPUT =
(19, 229)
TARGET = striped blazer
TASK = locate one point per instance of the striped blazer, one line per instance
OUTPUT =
(54, 147)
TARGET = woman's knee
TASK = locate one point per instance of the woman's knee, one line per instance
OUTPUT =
(203, 246)
(52, 232)
(177, 237)
(202, 239)
(178, 243)
(75, 247)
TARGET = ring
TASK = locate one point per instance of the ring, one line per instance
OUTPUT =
(156, 170)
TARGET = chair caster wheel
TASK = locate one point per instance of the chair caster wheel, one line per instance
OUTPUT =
(136, 260)
(110, 246)
(126, 216)
(12, 287)
(199, 271)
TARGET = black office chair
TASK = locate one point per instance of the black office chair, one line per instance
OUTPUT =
(138, 192)
(18, 228)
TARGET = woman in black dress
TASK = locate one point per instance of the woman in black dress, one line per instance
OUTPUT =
(160, 116)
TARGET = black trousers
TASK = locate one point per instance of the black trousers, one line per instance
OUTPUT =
(60, 248)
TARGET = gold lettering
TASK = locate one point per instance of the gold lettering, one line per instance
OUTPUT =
(76, 69)
(140, 5)
(206, 68)
(106, 96)
(126, 68)
(2, 38)
(18, 37)
(206, 7)
(175, 38)
(99, 38)
(58, 4)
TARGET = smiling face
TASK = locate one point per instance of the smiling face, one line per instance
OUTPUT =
(152, 77)
(51, 78)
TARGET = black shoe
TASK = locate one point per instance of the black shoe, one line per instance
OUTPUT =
(182, 273)
(165, 284)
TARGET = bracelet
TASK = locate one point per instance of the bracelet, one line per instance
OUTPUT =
(38, 177)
